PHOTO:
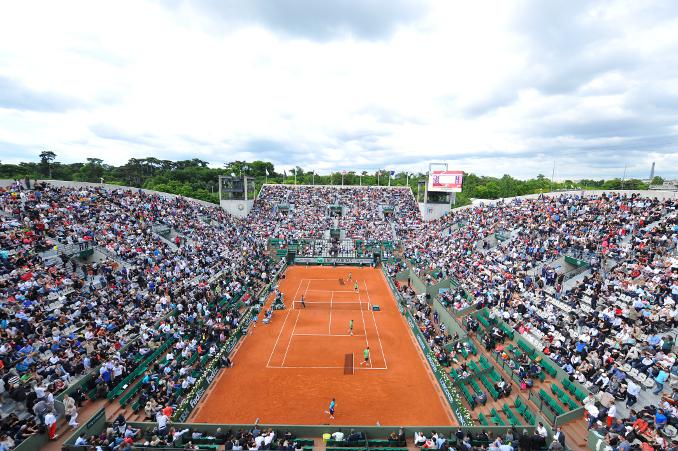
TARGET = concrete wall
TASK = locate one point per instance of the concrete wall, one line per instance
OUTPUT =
(447, 319)
(237, 208)
(429, 212)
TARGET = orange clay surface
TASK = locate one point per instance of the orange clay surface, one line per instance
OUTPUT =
(288, 371)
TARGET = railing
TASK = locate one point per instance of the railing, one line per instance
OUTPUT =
(505, 366)
(575, 272)
(310, 431)
(211, 371)
(448, 319)
(540, 403)
(161, 229)
(68, 249)
(569, 416)
(502, 235)
(446, 384)
(93, 426)
(595, 440)
(577, 261)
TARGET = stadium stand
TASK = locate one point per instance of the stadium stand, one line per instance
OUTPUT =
(606, 325)
(566, 304)
(61, 324)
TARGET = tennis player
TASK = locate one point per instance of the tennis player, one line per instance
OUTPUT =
(333, 404)
(303, 304)
(356, 287)
(366, 354)
(350, 276)
(350, 327)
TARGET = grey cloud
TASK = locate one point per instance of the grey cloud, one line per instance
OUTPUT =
(14, 153)
(570, 43)
(591, 126)
(313, 19)
(390, 117)
(484, 106)
(109, 132)
(15, 96)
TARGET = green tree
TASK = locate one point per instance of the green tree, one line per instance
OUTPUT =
(46, 159)
(92, 171)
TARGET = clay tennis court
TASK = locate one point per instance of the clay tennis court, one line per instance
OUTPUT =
(287, 372)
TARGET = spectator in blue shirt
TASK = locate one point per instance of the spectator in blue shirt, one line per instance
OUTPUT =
(660, 419)
(654, 340)
(659, 381)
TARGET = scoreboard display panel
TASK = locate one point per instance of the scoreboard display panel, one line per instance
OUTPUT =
(445, 181)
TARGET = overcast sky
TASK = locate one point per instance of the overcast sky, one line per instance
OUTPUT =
(492, 87)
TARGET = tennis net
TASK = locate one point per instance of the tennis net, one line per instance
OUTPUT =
(327, 305)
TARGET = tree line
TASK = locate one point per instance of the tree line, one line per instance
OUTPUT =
(194, 178)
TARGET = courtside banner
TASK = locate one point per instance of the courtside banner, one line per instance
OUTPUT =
(446, 181)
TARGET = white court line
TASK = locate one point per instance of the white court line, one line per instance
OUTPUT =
(284, 322)
(328, 335)
(294, 328)
(362, 315)
(375, 325)
(291, 337)
(335, 291)
(322, 368)
(330, 323)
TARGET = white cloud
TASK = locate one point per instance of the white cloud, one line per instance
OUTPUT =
(492, 87)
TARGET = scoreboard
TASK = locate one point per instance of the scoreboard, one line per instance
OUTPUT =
(445, 181)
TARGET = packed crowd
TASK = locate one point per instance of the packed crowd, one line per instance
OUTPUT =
(611, 327)
(60, 320)
(121, 436)
(309, 212)
(60, 315)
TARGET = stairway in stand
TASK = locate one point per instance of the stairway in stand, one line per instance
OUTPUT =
(576, 434)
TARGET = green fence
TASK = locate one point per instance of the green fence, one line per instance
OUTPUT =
(448, 320)
(315, 431)
(416, 283)
(576, 262)
(569, 416)
(434, 289)
(210, 372)
(596, 441)
(449, 390)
